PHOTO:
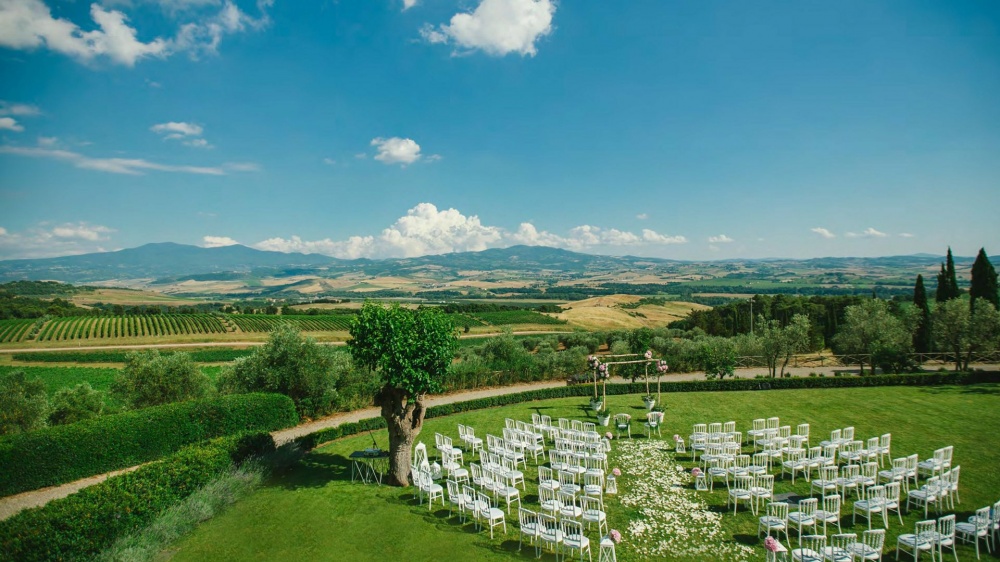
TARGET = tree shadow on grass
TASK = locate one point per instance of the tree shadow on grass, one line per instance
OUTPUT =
(315, 470)
(980, 389)
(749, 540)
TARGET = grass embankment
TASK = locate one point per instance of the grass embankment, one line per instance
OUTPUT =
(315, 512)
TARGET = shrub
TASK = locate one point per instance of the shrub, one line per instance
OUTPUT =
(83, 524)
(151, 379)
(70, 405)
(288, 364)
(65, 453)
(23, 403)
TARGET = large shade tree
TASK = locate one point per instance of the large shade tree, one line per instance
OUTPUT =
(871, 332)
(962, 332)
(411, 351)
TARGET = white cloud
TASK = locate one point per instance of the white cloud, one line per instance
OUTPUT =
(497, 27)
(823, 232)
(905, 235)
(217, 241)
(395, 150)
(20, 109)
(47, 141)
(10, 124)
(329, 161)
(655, 238)
(642, 216)
(178, 128)
(720, 239)
(29, 25)
(46, 241)
(427, 230)
(407, 4)
(867, 233)
(132, 166)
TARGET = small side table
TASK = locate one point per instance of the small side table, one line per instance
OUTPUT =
(780, 554)
(700, 484)
(610, 485)
(607, 552)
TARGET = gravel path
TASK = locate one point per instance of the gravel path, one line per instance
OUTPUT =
(11, 505)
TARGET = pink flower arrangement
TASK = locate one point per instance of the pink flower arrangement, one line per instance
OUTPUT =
(649, 354)
(608, 435)
(616, 471)
(662, 366)
(677, 437)
(695, 471)
(771, 544)
(615, 536)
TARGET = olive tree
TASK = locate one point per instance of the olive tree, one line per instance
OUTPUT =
(964, 333)
(411, 351)
(81, 402)
(151, 379)
(870, 330)
(777, 343)
(24, 405)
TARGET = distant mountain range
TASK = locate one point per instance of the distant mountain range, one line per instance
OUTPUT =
(170, 262)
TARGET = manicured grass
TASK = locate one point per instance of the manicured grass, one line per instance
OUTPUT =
(314, 512)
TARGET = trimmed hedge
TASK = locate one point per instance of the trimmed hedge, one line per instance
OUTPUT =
(83, 524)
(930, 379)
(64, 453)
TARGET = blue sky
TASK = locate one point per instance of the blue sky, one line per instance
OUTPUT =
(689, 130)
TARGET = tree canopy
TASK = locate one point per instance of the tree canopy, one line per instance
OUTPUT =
(984, 281)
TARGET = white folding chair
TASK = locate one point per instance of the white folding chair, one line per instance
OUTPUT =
(921, 540)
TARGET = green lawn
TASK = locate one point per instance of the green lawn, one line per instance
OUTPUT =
(314, 512)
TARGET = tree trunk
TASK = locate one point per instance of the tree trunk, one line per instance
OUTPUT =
(404, 417)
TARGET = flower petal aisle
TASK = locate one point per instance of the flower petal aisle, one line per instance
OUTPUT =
(668, 519)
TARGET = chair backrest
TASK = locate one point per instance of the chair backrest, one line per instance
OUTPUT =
(843, 541)
(892, 491)
(899, 465)
(593, 479)
(484, 501)
(546, 494)
(996, 513)
(949, 453)
(591, 504)
(567, 498)
(742, 461)
(576, 425)
(772, 423)
(765, 481)
(759, 424)
(885, 442)
(874, 539)
(796, 441)
(546, 420)
(815, 543)
(785, 431)
(699, 428)
(743, 482)
(835, 436)
(802, 429)
(728, 427)
(850, 471)
(566, 477)
(955, 472)
(621, 419)
(570, 528)
(544, 473)
(715, 427)
(589, 426)
(830, 451)
(509, 423)
(452, 488)
(563, 423)
(911, 462)
(778, 510)
(925, 529)
(808, 506)
(828, 473)
(875, 494)
(760, 459)
(527, 518)
(461, 431)
(982, 519)
(872, 444)
(939, 456)
(946, 526)
(869, 469)
(815, 453)
(831, 504)
(849, 433)
(438, 439)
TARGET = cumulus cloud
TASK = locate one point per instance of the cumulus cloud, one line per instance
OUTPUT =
(407, 4)
(60, 240)
(720, 239)
(29, 25)
(425, 229)
(823, 232)
(396, 150)
(496, 27)
(10, 124)
(217, 241)
(188, 134)
(867, 233)
(642, 216)
(131, 166)
(20, 109)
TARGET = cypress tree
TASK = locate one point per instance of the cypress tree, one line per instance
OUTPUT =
(953, 292)
(922, 335)
(984, 280)
(941, 293)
